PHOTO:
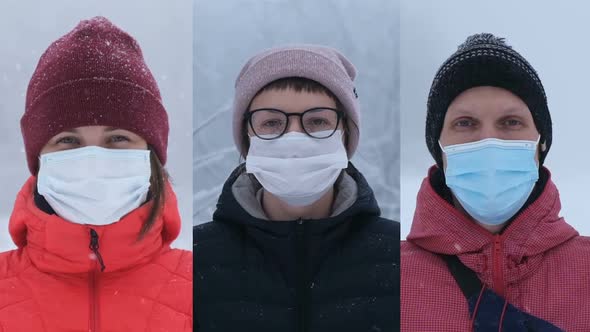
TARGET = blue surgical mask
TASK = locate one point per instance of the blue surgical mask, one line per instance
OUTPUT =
(491, 178)
(94, 185)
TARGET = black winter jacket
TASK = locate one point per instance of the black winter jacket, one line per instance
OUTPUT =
(336, 274)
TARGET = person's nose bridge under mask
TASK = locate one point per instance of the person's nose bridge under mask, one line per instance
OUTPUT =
(98, 141)
(443, 147)
(294, 123)
(84, 143)
(91, 137)
(488, 130)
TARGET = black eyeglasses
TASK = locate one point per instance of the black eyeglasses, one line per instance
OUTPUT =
(270, 123)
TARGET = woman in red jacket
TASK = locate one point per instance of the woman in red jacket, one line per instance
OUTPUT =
(94, 222)
(487, 250)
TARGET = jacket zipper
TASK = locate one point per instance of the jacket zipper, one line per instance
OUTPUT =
(498, 263)
(93, 281)
(301, 283)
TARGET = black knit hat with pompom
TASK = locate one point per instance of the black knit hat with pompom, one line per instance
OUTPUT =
(485, 60)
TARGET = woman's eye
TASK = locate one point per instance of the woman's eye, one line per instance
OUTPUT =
(272, 123)
(68, 140)
(119, 138)
(318, 122)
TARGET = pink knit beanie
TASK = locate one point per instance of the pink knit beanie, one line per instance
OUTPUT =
(322, 64)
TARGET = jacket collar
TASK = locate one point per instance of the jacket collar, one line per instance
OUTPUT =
(56, 245)
(440, 228)
(277, 239)
(229, 209)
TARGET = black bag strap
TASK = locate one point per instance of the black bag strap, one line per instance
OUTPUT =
(467, 280)
(470, 285)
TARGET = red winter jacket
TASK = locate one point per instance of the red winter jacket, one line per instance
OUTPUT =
(53, 281)
(539, 263)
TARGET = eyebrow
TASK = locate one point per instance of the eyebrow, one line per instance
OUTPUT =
(459, 112)
(75, 130)
(71, 131)
(515, 111)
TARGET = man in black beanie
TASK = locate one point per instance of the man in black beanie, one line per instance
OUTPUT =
(487, 249)
(485, 60)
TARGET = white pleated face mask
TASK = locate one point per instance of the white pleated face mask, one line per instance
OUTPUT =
(94, 185)
(297, 168)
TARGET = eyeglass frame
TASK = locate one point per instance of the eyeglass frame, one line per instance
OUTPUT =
(341, 115)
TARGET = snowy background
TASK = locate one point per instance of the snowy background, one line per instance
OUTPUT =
(164, 32)
(229, 32)
(553, 38)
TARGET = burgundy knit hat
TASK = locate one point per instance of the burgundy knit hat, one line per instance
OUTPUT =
(324, 65)
(94, 75)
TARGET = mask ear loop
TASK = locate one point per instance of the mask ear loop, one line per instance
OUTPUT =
(443, 153)
(442, 148)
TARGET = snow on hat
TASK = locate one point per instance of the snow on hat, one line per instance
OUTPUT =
(93, 75)
(485, 60)
(321, 64)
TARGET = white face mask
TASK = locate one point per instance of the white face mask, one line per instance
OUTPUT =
(297, 168)
(94, 185)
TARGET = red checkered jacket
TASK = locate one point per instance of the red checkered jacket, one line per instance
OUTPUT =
(539, 263)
